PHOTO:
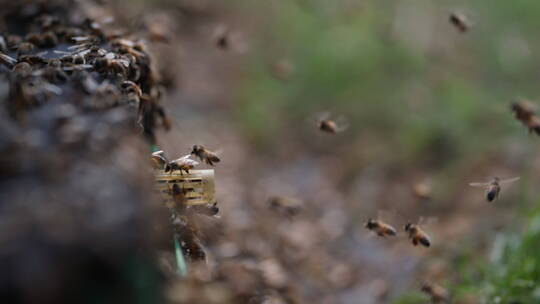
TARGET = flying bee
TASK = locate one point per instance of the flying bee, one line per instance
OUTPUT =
(183, 163)
(422, 190)
(380, 228)
(327, 125)
(417, 235)
(205, 155)
(159, 160)
(285, 205)
(526, 113)
(493, 188)
(437, 293)
(460, 21)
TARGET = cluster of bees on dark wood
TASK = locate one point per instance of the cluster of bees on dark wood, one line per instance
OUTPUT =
(182, 213)
(113, 69)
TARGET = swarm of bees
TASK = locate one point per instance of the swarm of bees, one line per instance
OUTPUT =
(54, 53)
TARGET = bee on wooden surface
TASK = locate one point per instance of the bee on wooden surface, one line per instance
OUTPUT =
(437, 293)
(460, 21)
(526, 113)
(183, 163)
(285, 205)
(380, 228)
(327, 125)
(205, 155)
(417, 235)
(159, 160)
(179, 198)
(493, 188)
(7, 61)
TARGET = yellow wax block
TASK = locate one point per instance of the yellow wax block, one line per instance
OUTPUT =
(198, 184)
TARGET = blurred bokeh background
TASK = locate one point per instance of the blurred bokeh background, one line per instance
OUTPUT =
(427, 107)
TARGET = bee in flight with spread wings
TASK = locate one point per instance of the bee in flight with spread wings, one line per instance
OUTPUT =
(493, 188)
(331, 126)
(418, 235)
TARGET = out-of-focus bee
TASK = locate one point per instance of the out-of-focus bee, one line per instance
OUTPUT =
(493, 188)
(327, 125)
(179, 198)
(159, 160)
(206, 209)
(25, 48)
(460, 21)
(380, 228)
(422, 190)
(13, 41)
(3, 44)
(285, 205)
(205, 155)
(34, 59)
(437, 293)
(417, 235)
(183, 163)
(45, 39)
(111, 66)
(132, 91)
(282, 69)
(221, 36)
(526, 113)
(7, 61)
(22, 70)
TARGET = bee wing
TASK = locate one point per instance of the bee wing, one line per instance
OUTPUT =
(479, 184)
(426, 221)
(78, 67)
(52, 88)
(342, 124)
(510, 180)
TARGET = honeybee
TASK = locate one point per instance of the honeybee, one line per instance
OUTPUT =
(205, 155)
(493, 188)
(422, 190)
(437, 293)
(460, 21)
(112, 66)
(159, 160)
(24, 48)
(8, 61)
(285, 205)
(525, 112)
(183, 163)
(179, 198)
(417, 235)
(132, 91)
(325, 124)
(206, 209)
(380, 228)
